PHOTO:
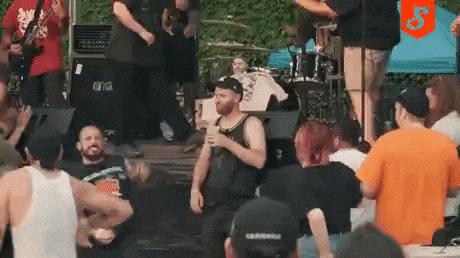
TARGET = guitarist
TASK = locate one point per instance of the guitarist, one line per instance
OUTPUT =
(44, 85)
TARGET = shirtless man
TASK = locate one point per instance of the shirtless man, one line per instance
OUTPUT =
(42, 204)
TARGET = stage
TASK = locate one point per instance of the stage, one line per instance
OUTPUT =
(165, 225)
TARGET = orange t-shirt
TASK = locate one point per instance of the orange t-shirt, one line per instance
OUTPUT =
(411, 171)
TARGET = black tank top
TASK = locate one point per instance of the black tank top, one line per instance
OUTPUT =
(229, 177)
(127, 46)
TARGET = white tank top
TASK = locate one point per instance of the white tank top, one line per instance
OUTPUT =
(49, 226)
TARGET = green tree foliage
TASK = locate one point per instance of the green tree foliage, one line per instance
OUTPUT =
(95, 12)
(265, 20)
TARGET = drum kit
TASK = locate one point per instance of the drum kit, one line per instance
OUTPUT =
(310, 70)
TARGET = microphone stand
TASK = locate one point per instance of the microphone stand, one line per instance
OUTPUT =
(363, 67)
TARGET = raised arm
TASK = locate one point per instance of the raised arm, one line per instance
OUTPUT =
(61, 10)
(109, 210)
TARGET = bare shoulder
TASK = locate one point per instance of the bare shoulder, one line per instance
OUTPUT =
(253, 122)
(254, 126)
(15, 178)
(16, 175)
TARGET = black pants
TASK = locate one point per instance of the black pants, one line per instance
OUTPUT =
(147, 89)
(43, 90)
(216, 227)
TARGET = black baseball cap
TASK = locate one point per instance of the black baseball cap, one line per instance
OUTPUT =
(264, 226)
(368, 241)
(44, 144)
(230, 83)
(415, 101)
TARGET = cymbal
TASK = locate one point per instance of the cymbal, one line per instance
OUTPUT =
(236, 46)
(225, 22)
(216, 58)
(267, 70)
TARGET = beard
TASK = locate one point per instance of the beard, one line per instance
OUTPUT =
(224, 109)
(92, 155)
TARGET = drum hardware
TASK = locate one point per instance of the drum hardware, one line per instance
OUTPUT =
(218, 57)
(272, 71)
(310, 65)
(236, 46)
(304, 88)
(225, 22)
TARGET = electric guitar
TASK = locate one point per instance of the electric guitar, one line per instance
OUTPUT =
(174, 20)
(20, 64)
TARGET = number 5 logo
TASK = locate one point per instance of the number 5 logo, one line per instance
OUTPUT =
(418, 17)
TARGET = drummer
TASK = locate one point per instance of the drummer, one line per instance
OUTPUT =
(261, 93)
(239, 66)
(272, 93)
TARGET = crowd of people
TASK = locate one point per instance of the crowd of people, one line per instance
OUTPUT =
(401, 184)
(341, 199)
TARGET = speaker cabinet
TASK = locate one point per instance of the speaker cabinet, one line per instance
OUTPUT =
(280, 127)
(93, 95)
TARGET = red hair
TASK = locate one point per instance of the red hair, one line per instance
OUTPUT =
(313, 142)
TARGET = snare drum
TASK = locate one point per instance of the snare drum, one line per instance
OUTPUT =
(313, 66)
(312, 90)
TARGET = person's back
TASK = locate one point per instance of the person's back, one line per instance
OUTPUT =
(412, 168)
(449, 125)
(43, 215)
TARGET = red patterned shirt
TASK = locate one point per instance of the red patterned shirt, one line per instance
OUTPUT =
(18, 16)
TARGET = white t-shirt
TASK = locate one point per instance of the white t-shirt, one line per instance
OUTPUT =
(351, 157)
(450, 125)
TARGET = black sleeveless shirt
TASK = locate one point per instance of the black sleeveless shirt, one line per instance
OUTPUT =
(127, 46)
(229, 178)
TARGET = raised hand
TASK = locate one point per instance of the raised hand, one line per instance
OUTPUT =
(24, 117)
(59, 8)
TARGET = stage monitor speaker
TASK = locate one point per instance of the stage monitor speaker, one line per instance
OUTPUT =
(280, 127)
(93, 95)
(279, 124)
(91, 79)
(54, 119)
(57, 119)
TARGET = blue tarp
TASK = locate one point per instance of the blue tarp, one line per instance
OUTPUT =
(434, 53)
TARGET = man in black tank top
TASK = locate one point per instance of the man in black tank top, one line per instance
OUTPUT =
(226, 172)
